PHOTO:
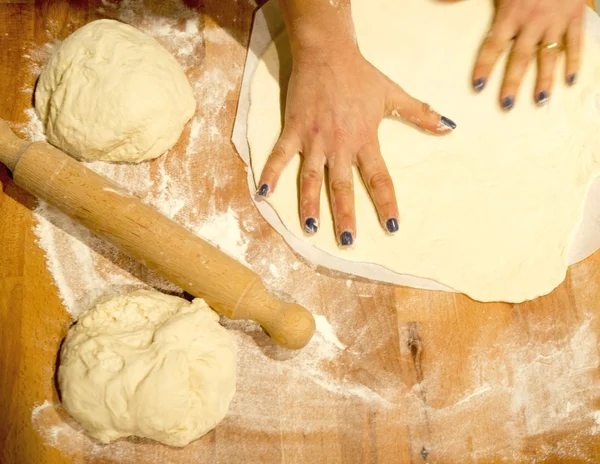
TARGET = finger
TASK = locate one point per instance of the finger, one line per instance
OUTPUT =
(573, 47)
(546, 64)
(521, 55)
(311, 180)
(379, 183)
(285, 148)
(341, 188)
(400, 104)
(497, 40)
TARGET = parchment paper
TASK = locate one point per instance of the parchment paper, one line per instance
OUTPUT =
(268, 24)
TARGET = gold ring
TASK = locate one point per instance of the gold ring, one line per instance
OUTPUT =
(550, 46)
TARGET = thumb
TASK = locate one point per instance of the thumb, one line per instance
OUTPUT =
(402, 105)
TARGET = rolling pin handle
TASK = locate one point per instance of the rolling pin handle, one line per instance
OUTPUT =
(11, 146)
(288, 324)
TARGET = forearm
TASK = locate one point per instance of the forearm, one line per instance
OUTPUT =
(317, 26)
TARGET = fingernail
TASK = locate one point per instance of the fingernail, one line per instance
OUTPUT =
(571, 78)
(392, 225)
(448, 122)
(479, 84)
(311, 225)
(263, 190)
(346, 239)
(542, 97)
(508, 103)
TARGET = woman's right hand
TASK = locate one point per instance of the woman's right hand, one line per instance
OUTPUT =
(335, 102)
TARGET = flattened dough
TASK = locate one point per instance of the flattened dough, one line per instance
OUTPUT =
(489, 210)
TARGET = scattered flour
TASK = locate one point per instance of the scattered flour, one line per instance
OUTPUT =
(191, 27)
(549, 385)
(470, 396)
(111, 190)
(223, 232)
(37, 57)
(325, 330)
(109, 4)
(37, 410)
(554, 374)
(596, 426)
(274, 271)
(33, 130)
(183, 40)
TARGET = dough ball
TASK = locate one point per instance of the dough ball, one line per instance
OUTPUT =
(112, 93)
(150, 365)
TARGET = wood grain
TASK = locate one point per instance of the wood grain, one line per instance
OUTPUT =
(462, 381)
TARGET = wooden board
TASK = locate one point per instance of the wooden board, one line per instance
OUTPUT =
(451, 380)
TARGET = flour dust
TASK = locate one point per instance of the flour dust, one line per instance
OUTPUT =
(550, 385)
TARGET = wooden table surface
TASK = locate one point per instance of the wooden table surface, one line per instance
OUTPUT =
(461, 381)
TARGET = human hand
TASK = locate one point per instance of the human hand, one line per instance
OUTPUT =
(335, 103)
(535, 25)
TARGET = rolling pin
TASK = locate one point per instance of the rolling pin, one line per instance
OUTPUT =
(152, 239)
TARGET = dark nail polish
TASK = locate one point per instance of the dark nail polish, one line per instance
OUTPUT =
(346, 239)
(448, 122)
(263, 190)
(392, 225)
(311, 225)
(508, 103)
(479, 84)
(571, 78)
(542, 97)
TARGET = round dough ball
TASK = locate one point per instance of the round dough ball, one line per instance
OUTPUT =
(112, 93)
(150, 365)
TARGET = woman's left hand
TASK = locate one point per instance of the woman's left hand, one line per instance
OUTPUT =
(541, 29)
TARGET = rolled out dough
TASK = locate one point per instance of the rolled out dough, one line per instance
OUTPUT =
(489, 210)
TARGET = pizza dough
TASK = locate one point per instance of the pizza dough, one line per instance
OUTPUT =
(149, 365)
(489, 210)
(110, 92)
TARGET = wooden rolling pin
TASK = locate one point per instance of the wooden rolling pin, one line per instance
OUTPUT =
(228, 287)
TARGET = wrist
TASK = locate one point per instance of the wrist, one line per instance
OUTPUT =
(316, 46)
(319, 27)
